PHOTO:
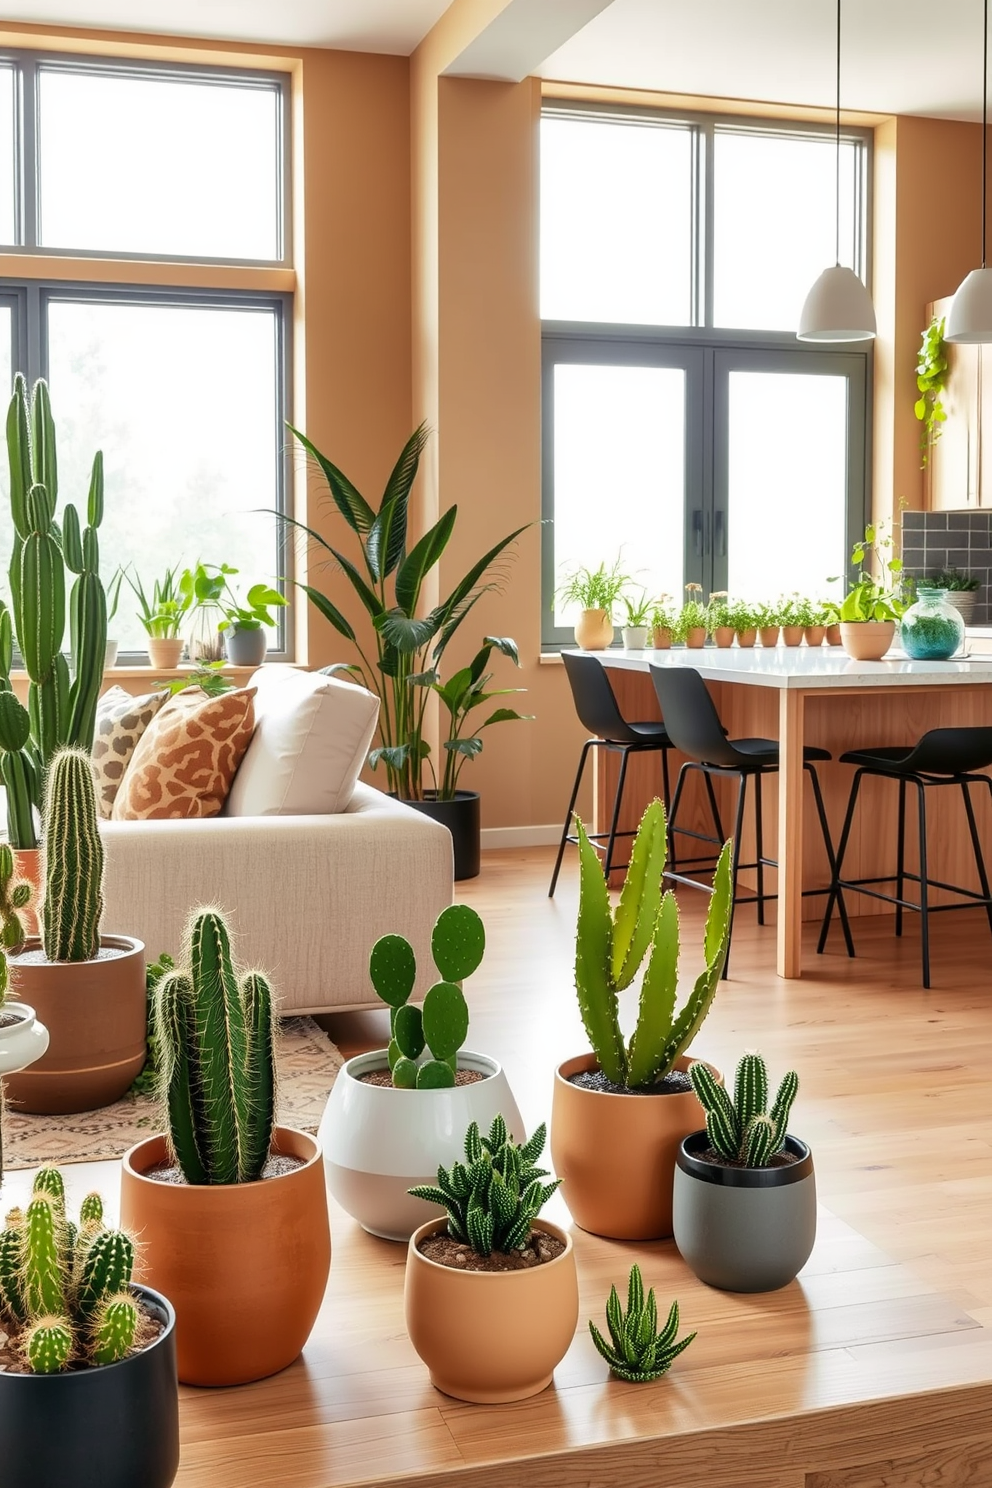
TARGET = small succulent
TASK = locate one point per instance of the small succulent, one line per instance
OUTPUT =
(637, 1351)
(743, 1129)
(495, 1195)
(458, 943)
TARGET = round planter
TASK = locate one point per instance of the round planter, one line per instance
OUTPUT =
(746, 638)
(110, 655)
(23, 1042)
(792, 635)
(27, 862)
(463, 820)
(635, 637)
(867, 640)
(113, 1427)
(491, 1337)
(661, 638)
(378, 1142)
(963, 600)
(165, 651)
(768, 635)
(815, 635)
(245, 1265)
(96, 1016)
(744, 1229)
(724, 636)
(695, 638)
(245, 647)
(615, 1154)
(594, 630)
(931, 629)
(833, 635)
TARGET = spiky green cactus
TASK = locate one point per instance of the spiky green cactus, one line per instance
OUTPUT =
(48, 1345)
(44, 1282)
(15, 896)
(493, 1197)
(610, 947)
(73, 860)
(106, 1269)
(216, 1046)
(458, 943)
(12, 1304)
(637, 1351)
(743, 1130)
(114, 1329)
(91, 1212)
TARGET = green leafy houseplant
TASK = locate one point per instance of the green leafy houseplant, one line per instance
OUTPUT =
(692, 616)
(611, 945)
(208, 676)
(637, 609)
(637, 1351)
(256, 611)
(593, 589)
(163, 611)
(62, 696)
(390, 585)
(719, 611)
(663, 613)
(464, 692)
(871, 598)
(931, 379)
(742, 1129)
(742, 616)
(951, 579)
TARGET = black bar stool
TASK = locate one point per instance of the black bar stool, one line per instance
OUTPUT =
(599, 712)
(694, 728)
(944, 756)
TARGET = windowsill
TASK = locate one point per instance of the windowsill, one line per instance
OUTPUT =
(115, 674)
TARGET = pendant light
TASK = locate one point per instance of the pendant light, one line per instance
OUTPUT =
(971, 313)
(838, 307)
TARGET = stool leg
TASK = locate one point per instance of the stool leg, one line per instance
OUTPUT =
(924, 889)
(608, 861)
(738, 828)
(666, 795)
(825, 830)
(835, 888)
(568, 815)
(983, 877)
(675, 811)
(759, 847)
(714, 808)
(901, 855)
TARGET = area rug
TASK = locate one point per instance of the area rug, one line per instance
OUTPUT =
(308, 1067)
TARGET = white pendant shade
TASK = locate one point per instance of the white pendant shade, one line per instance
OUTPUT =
(970, 318)
(837, 308)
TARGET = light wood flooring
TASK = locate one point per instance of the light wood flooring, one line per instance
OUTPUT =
(873, 1371)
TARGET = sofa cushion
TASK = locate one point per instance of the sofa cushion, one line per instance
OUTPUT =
(120, 722)
(186, 759)
(311, 740)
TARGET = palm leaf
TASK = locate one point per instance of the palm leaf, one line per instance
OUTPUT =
(421, 559)
(387, 536)
(347, 498)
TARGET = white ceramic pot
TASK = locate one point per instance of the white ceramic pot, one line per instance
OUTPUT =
(23, 1042)
(110, 655)
(378, 1141)
(635, 637)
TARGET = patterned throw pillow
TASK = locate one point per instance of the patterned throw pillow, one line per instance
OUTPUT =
(120, 722)
(187, 757)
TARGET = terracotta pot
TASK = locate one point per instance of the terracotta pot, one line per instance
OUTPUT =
(815, 635)
(96, 1016)
(769, 635)
(746, 638)
(833, 635)
(695, 638)
(616, 1154)
(27, 861)
(792, 635)
(165, 651)
(23, 1042)
(594, 630)
(867, 640)
(724, 635)
(662, 638)
(491, 1337)
(244, 1265)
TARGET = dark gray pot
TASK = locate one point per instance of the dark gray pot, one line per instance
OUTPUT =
(115, 1427)
(246, 647)
(744, 1229)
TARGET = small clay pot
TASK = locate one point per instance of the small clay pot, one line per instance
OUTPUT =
(867, 640)
(746, 638)
(594, 630)
(833, 635)
(662, 638)
(792, 635)
(815, 635)
(164, 651)
(490, 1337)
(724, 636)
(768, 635)
(695, 638)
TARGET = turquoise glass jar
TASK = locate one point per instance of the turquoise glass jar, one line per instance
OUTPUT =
(931, 629)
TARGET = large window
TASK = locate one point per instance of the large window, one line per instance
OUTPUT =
(685, 427)
(181, 383)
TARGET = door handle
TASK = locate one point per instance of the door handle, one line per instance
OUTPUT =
(720, 532)
(697, 533)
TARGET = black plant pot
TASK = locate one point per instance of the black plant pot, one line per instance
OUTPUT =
(461, 817)
(114, 1427)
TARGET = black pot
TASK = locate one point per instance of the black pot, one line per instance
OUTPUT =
(246, 647)
(114, 1427)
(461, 817)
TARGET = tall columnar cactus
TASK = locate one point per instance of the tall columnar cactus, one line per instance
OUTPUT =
(637, 1351)
(73, 859)
(216, 1043)
(458, 943)
(61, 703)
(743, 1129)
(64, 1292)
(15, 896)
(610, 947)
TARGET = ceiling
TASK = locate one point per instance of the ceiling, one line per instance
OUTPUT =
(900, 56)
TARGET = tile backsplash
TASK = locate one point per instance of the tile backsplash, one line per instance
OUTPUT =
(961, 540)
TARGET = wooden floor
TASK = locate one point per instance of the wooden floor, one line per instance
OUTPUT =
(874, 1370)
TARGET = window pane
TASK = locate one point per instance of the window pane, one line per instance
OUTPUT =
(183, 402)
(8, 147)
(616, 221)
(774, 224)
(6, 381)
(620, 486)
(786, 511)
(166, 165)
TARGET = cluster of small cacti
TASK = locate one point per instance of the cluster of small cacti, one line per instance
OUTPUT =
(637, 1351)
(64, 1288)
(610, 946)
(61, 705)
(743, 1129)
(458, 943)
(493, 1197)
(15, 896)
(215, 1033)
(73, 860)
(147, 1083)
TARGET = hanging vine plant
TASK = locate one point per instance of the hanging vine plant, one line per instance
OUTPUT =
(931, 375)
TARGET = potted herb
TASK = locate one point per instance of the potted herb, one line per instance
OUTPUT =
(690, 627)
(230, 1207)
(23, 1037)
(596, 592)
(768, 623)
(830, 613)
(87, 1358)
(794, 615)
(663, 622)
(742, 618)
(745, 1193)
(491, 1295)
(816, 628)
(637, 1352)
(869, 612)
(619, 1113)
(719, 621)
(162, 614)
(961, 590)
(393, 1115)
(245, 639)
(87, 988)
(637, 617)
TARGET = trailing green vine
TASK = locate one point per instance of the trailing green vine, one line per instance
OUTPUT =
(931, 375)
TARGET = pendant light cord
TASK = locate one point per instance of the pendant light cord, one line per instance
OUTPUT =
(837, 161)
(985, 123)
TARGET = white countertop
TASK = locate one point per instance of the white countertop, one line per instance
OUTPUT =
(803, 667)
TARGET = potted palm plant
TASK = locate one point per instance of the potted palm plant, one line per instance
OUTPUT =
(868, 613)
(619, 1113)
(637, 615)
(596, 592)
(162, 614)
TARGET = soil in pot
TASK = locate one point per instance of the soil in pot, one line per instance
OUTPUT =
(384, 1078)
(152, 1326)
(676, 1082)
(445, 1251)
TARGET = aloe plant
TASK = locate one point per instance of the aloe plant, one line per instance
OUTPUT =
(610, 947)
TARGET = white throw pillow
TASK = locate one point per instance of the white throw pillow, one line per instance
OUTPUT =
(312, 735)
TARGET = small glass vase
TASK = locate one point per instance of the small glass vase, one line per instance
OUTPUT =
(204, 642)
(931, 629)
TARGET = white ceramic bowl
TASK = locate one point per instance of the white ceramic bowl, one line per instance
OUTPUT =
(21, 1043)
